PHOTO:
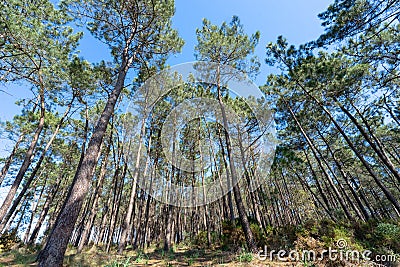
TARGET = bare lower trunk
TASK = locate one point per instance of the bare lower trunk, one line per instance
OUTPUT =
(97, 194)
(53, 253)
(43, 213)
(7, 164)
(127, 221)
(36, 169)
(26, 163)
(236, 191)
(32, 215)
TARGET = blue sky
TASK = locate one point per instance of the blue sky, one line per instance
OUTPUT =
(295, 20)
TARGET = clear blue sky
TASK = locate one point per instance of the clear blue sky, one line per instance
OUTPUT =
(294, 19)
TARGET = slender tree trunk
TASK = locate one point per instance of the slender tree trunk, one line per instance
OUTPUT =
(8, 226)
(37, 167)
(29, 155)
(236, 191)
(103, 227)
(318, 184)
(377, 146)
(50, 196)
(314, 150)
(148, 201)
(367, 166)
(21, 217)
(168, 228)
(7, 164)
(127, 222)
(116, 204)
(97, 194)
(53, 253)
(346, 178)
(32, 216)
(389, 110)
(228, 177)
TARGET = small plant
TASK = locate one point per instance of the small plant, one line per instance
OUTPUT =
(171, 255)
(139, 256)
(196, 255)
(116, 263)
(307, 264)
(388, 234)
(126, 263)
(113, 264)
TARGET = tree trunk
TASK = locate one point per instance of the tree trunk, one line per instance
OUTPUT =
(33, 213)
(236, 191)
(37, 167)
(51, 194)
(27, 161)
(377, 146)
(97, 194)
(127, 221)
(7, 164)
(367, 166)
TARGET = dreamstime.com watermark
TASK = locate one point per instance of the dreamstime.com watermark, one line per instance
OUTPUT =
(339, 253)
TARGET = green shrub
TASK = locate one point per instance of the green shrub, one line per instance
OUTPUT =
(124, 263)
(201, 241)
(388, 235)
(245, 257)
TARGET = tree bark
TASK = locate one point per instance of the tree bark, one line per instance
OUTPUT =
(37, 167)
(29, 155)
(7, 164)
(127, 221)
(367, 166)
(236, 191)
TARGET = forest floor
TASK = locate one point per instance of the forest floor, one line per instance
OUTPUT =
(182, 256)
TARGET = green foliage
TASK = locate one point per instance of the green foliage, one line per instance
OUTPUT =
(233, 237)
(347, 18)
(141, 256)
(244, 257)
(123, 263)
(374, 234)
(8, 240)
(37, 46)
(228, 45)
(146, 48)
(387, 231)
(201, 241)
(36, 42)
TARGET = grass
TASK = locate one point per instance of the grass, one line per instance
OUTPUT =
(180, 256)
(244, 257)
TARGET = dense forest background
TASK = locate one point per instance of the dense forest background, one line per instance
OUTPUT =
(72, 176)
